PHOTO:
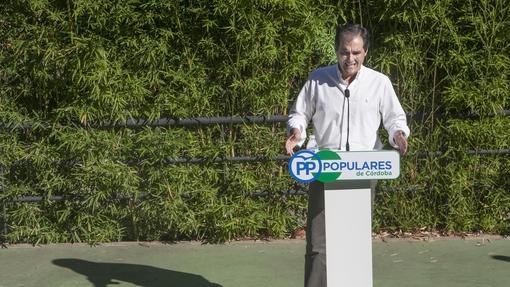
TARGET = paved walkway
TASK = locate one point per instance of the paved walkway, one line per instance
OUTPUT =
(449, 263)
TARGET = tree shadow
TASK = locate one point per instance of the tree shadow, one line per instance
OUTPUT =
(102, 274)
(501, 257)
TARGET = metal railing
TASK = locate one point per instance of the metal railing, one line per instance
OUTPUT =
(194, 121)
(168, 122)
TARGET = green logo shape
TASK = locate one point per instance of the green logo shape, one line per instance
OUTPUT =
(326, 155)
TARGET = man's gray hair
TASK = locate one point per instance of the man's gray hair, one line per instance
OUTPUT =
(353, 29)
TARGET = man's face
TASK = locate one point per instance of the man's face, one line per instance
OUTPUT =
(350, 55)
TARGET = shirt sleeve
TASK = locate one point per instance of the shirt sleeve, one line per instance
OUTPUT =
(302, 111)
(393, 116)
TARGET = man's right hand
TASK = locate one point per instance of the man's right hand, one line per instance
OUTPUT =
(292, 140)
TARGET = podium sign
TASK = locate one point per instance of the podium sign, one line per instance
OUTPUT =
(329, 165)
(347, 178)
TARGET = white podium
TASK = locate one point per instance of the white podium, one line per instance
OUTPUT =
(347, 206)
(348, 220)
(348, 217)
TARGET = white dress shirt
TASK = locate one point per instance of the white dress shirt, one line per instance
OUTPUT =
(322, 101)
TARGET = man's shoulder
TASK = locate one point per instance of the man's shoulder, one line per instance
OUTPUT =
(323, 72)
(374, 75)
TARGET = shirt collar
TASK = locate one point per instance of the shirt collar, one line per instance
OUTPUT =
(339, 74)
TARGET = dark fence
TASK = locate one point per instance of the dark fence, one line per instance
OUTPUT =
(199, 121)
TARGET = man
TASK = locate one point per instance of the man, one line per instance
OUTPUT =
(346, 103)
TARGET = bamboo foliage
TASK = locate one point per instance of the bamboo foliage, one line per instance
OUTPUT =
(67, 64)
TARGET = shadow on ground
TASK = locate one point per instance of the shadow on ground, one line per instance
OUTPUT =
(102, 274)
(501, 257)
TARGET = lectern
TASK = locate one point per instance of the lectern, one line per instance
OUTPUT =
(348, 206)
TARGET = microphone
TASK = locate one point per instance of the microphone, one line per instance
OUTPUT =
(347, 94)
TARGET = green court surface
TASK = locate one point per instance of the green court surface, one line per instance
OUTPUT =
(449, 263)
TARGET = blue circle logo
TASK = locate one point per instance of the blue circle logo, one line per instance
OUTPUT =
(304, 166)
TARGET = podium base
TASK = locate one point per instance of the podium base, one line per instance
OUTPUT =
(348, 217)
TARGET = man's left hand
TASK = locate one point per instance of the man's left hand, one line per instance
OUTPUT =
(401, 142)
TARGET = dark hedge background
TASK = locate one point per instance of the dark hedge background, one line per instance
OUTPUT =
(67, 64)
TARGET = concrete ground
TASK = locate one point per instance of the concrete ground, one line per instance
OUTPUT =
(449, 263)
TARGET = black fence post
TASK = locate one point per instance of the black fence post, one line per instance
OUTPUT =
(4, 231)
(4, 203)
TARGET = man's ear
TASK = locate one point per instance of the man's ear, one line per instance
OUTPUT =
(366, 52)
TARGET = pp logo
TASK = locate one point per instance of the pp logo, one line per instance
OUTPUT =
(304, 166)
